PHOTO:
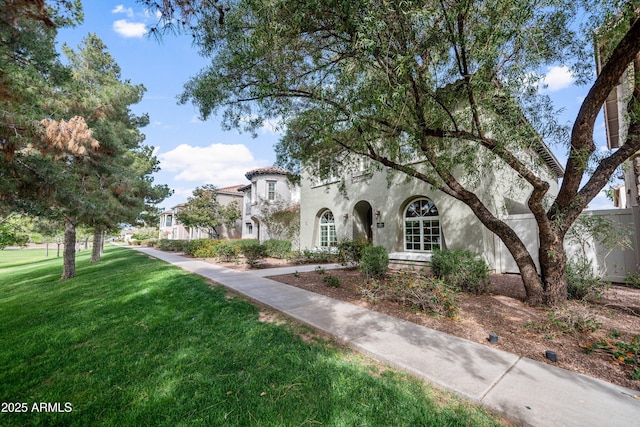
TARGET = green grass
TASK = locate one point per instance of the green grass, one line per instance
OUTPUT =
(135, 341)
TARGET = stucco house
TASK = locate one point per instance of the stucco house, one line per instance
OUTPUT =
(270, 187)
(171, 228)
(411, 219)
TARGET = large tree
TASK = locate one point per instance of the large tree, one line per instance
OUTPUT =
(30, 70)
(115, 185)
(452, 81)
(120, 182)
(64, 173)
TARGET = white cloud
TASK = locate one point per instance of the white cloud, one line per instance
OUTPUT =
(121, 9)
(129, 29)
(557, 78)
(274, 126)
(183, 193)
(219, 164)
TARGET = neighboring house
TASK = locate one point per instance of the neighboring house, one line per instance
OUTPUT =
(171, 228)
(127, 235)
(270, 186)
(410, 219)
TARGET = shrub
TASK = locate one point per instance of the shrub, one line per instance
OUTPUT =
(461, 270)
(173, 245)
(228, 250)
(141, 236)
(350, 251)
(574, 321)
(429, 294)
(633, 280)
(374, 261)
(277, 248)
(324, 256)
(582, 283)
(202, 248)
(253, 251)
(622, 351)
(426, 294)
(332, 281)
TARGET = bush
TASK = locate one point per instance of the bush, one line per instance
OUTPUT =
(228, 250)
(374, 261)
(253, 251)
(461, 270)
(574, 321)
(622, 351)
(582, 283)
(429, 294)
(633, 280)
(332, 281)
(141, 236)
(324, 256)
(277, 248)
(350, 251)
(202, 248)
(173, 245)
(426, 294)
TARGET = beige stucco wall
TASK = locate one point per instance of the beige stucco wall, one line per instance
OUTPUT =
(254, 199)
(460, 228)
(177, 231)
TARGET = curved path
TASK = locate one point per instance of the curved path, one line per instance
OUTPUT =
(523, 390)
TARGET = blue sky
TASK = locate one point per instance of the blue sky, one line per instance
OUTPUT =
(191, 152)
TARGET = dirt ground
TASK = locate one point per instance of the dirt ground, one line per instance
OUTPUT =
(523, 330)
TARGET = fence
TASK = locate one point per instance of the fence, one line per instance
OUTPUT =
(612, 264)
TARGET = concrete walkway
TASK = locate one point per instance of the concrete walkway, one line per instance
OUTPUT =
(525, 391)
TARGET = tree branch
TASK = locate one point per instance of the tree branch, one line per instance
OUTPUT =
(582, 144)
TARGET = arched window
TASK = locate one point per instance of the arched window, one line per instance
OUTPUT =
(327, 230)
(421, 226)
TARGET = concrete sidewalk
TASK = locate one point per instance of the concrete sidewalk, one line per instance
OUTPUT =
(524, 390)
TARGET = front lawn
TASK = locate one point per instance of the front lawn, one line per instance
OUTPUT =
(135, 341)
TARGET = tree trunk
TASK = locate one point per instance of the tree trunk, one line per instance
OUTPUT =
(47, 249)
(104, 235)
(58, 250)
(532, 284)
(69, 260)
(96, 248)
(528, 272)
(553, 265)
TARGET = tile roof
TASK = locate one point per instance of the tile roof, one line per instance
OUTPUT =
(233, 190)
(269, 170)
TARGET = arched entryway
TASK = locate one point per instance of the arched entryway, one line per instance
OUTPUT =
(363, 221)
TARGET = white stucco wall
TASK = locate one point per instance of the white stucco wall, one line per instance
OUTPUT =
(254, 200)
(459, 226)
